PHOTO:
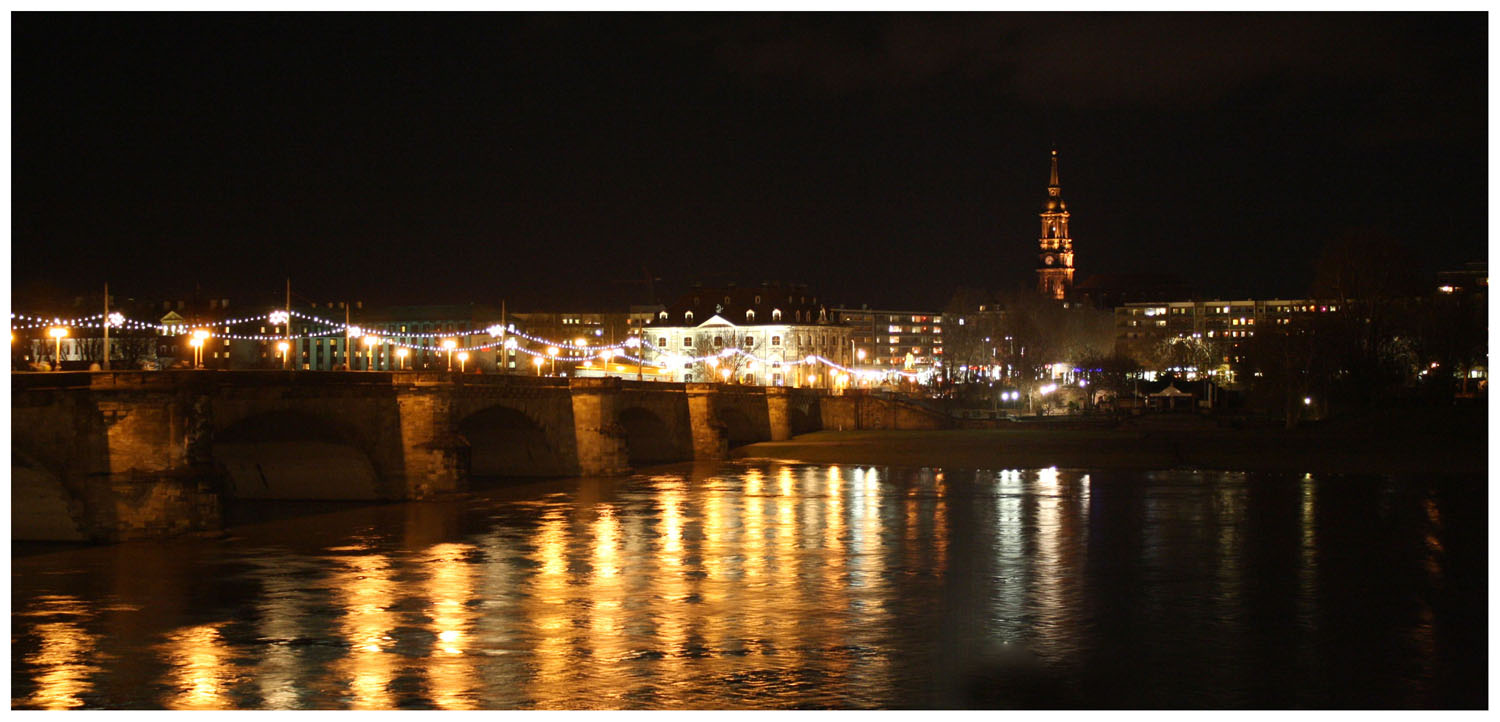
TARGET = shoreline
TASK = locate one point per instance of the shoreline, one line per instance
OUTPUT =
(1297, 451)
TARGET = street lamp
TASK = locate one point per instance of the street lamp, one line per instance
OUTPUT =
(283, 347)
(724, 372)
(370, 341)
(401, 357)
(58, 332)
(199, 337)
(537, 361)
(463, 356)
(448, 345)
(552, 351)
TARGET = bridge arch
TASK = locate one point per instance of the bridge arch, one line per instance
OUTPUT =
(52, 512)
(648, 437)
(289, 454)
(739, 429)
(504, 441)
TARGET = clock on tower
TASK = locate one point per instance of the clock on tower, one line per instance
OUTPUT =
(1055, 270)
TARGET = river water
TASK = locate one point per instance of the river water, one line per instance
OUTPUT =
(769, 585)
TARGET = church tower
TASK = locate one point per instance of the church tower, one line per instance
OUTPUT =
(1054, 271)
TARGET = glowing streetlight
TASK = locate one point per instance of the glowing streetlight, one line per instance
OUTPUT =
(401, 354)
(58, 332)
(463, 357)
(580, 342)
(200, 336)
(537, 361)
(552, 352)
(370, 341)
(1307, 401)
(283, 347)
(448, 345)
(724, 372)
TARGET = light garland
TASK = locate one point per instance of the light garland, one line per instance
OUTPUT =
(569, 351)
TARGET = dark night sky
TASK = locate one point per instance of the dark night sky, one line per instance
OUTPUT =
(883, 159)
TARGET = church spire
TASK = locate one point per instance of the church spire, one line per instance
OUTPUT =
(1055, 247)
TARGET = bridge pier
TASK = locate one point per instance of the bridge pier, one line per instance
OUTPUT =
(435, 457)
(710, 437)
(778, 412)
(600, 440)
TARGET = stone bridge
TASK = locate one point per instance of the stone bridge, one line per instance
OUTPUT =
(108, 456)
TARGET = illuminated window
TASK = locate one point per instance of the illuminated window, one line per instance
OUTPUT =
(775, 314)
(750, 315)
(688, 316)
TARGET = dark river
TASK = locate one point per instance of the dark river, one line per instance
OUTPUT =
(762, 585)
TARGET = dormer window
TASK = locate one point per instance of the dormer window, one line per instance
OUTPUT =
(662, 315)
(749, 315)
(775, 314)
(757, 300)
(688, 316)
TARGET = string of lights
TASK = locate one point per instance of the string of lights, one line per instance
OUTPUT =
(563, 351)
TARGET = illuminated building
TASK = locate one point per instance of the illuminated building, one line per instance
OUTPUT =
(1054, 272)
(776, 326)
(894, 340)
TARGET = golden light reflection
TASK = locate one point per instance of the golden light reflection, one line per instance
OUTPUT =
(201, 668)
(548, 612)
(606, 609)
(367, 595)
(450, 585)
(281, 608)
(64, 655)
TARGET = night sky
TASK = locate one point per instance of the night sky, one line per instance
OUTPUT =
(882, 159)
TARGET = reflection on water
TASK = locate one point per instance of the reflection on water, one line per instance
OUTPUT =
(763, 585)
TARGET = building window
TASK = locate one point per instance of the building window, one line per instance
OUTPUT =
(662, 315)
(750, 315)
(775, 314)
(775, 340)
(718, 341)
(661, 340)
(687, 341)
(749, 341)
(687, 316)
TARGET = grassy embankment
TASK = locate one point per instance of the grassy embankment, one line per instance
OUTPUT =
(1448, 441)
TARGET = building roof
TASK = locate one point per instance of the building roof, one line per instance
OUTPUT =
(795, 302)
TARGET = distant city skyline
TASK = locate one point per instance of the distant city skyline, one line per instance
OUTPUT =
(556, 160)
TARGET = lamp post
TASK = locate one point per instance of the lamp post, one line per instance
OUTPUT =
(537, 362)
(448, 345)
(401, 357)
(58, 332)
(199, 337)
(350, 333)
(552, 351)
(463, 357)
(370, 341)
(283, 347)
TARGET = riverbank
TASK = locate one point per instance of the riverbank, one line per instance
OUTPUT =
(1454, 444)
